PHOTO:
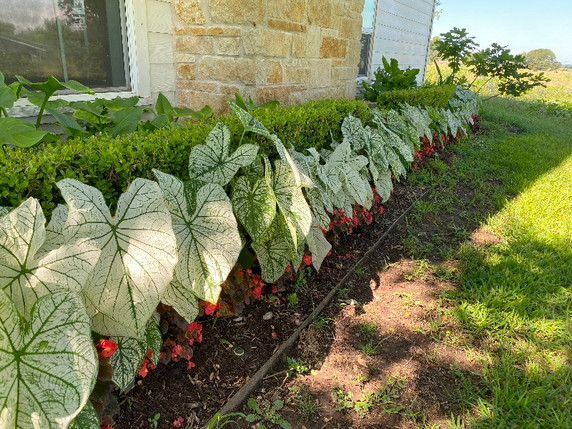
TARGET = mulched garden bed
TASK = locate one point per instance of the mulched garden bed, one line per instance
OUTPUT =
(234, 348)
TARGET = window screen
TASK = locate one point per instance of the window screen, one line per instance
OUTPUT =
(69, 39)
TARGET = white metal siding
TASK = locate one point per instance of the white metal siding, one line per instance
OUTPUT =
(402, 30)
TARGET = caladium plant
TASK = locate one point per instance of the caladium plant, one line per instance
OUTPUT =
(207, 237)
(49, 364)
(27, 272)
(138, 253)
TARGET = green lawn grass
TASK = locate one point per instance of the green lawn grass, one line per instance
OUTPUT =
(514, 301)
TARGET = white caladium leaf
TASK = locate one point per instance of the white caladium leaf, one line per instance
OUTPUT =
(5, 210)
(316, 204)
(212, 162)
(318, 245)
(182, 299)
(306, 168)
(287, 158)
(25, 273)
(352, 130)
(347, 166)
(273, 255)
(127, 360)
(254, 205)
(404, 147)
(55, 229)
(138, 253)
(48, 366)
(395, 122)
(383, 185)
(418, 118)
(295, 212)
(453, 122)
(154, 341)
(87, 418)
(248, 121)
(208, 239)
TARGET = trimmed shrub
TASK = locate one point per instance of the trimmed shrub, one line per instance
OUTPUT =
(111, 164)
(435, 96)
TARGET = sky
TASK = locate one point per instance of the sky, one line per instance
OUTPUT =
(522, 25)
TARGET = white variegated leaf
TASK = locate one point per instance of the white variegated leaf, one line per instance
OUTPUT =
(383, 185)
(316, 204)
(295, 212)
(306, 168)
(4, 210)
(212, 162)
(248, 121)
(208, 239)
(318, 245)
(154, 341)
(182, 299)
(25, 273)
(254, 205)
(358, 186)
(55, 229)
(273, 255)
(127, 360)
(48, 366)
(352, 130)
(138, 253)
(287, 158)
(418, 118)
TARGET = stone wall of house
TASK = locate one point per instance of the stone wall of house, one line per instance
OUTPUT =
(286, 50)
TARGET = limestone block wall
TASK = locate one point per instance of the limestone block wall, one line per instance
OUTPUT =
(286, 50)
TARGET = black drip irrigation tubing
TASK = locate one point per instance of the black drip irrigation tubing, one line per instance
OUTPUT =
(239, 397)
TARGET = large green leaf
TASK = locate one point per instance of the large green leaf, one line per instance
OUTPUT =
(213, 163)
(7, 97)
(254, 205)
(127, 360)
(207, 237)
(27, 273)
(19, 133)
(273, 254)
(47, 366)
(138, 253)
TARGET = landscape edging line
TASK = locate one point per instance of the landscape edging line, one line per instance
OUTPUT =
(239, 397)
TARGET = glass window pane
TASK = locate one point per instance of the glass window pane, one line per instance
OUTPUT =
(69, 39)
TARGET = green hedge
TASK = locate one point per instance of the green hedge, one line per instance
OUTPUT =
(111, 164)
(436, 96)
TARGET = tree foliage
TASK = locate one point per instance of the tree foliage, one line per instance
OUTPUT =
(541, 59)
(458, 49)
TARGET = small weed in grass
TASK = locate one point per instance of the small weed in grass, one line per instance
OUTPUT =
(262, 415)
(344, 292)
(367, 330)
(154, 421)
(308, 406)
(370, 348)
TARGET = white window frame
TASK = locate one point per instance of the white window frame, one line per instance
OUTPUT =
(134, 13)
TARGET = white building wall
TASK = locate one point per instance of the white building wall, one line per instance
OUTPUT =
(402, 30)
